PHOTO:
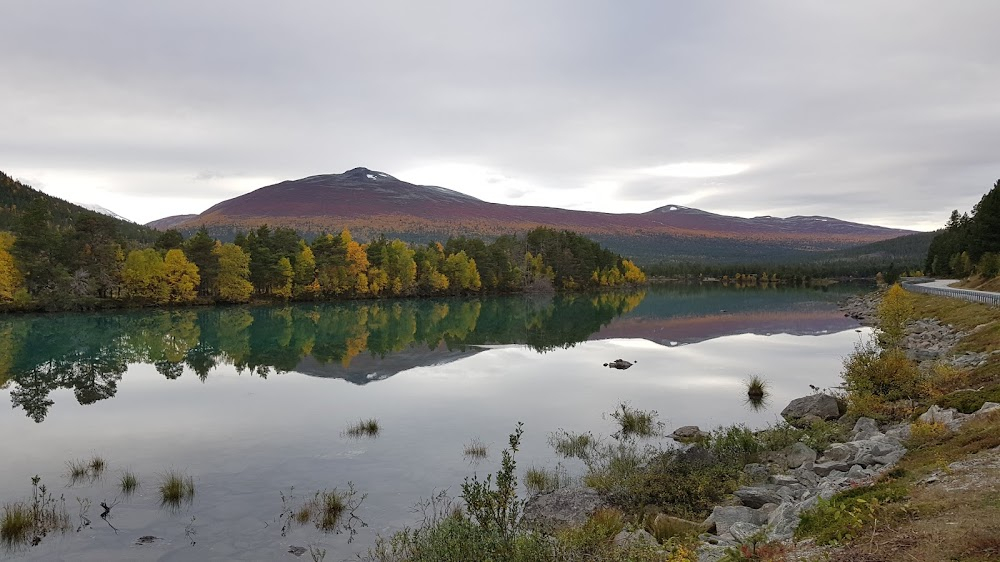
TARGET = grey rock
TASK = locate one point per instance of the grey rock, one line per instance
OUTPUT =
(857, 473)
(938, 414)
(756, 496)
(766, 509)
(743, 531)
(797, 454)
(783, 520)
(723, 517)
(822, 406)
(839, 452)
(640, 537)
(807, 478)
(689, 433)
(889, 459)
(825, 468)
(565, 507)
(297, 550)
(618, 364)
(864, 425)
(900, 433)
(756, 473)
(711, 553)
(783, 480)
(986, 408)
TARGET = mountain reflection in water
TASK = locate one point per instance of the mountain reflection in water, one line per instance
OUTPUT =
(366, 341)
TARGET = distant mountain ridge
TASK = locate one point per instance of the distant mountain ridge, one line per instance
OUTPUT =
(369, 203)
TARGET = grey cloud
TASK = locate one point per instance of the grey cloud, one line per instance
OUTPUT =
(844, 109)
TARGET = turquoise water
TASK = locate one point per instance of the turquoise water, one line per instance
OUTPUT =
(253, 402)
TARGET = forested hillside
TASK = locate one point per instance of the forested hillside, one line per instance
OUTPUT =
(16, 199)
(54, 257)
(969, 243)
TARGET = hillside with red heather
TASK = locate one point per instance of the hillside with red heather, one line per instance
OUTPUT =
(370, 203)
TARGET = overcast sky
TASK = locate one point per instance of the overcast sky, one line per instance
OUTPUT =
(873, 111)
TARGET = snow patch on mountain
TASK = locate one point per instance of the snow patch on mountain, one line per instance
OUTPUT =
(103, 211)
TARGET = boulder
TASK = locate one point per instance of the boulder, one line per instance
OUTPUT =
(825, 468)
(640, 537)
(756, 496)
(839, 452)
(689, 433)
(798, 454)
(565, 507)
(822, 406)
(785, 518)
(987, 408)
(671, 525)
(618, 364)
(756, 473)
(723, 517)
(743, 532)
(940, 415)
(783, 480)
(865, 428)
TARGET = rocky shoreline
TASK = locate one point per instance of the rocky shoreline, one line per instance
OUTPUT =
(795, 479)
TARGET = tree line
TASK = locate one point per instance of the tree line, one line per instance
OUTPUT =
(969, 243)
(87, 263)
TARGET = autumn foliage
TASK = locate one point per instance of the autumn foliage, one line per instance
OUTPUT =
(278, 264)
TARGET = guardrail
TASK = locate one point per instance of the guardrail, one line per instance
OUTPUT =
(974, 296)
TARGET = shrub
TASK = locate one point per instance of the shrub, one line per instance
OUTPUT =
(873, 377)
(895, 310)
(922, 432)
(843, 516)
(735, 444)
(970, 401)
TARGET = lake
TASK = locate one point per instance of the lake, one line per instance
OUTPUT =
(253, 402)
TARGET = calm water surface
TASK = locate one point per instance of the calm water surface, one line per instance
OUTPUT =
(253, 402)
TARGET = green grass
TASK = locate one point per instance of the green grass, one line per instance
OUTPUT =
(841, 518)
(77, 470)
(634, 422)
(97, 465)
(476, 449)
(756, 387)
(324, 509)
(129, 482)
(363, 428)
(572, 445)
(17, 524)
(538, 480)
(23, 523)
(176, 489)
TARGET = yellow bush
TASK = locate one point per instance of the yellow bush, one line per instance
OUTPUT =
(895, 310)
(922, 432)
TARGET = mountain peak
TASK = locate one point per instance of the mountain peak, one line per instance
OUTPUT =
(361, 173)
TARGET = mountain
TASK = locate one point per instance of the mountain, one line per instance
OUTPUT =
(167, 223)
(103, 211)
(370, 203)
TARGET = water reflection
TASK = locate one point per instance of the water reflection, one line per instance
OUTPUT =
(89, 353)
